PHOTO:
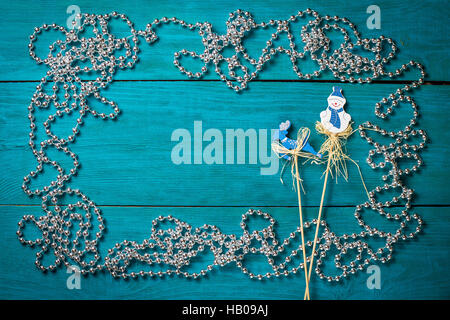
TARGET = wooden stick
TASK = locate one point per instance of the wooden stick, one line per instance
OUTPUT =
(318, 219)
(301, 230)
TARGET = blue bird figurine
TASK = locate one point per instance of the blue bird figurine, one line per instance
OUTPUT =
(288, 143)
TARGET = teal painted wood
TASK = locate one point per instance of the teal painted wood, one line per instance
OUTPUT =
(418, 27)
(418, 270)
(128, 161)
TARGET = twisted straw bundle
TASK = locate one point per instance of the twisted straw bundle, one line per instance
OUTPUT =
(302, 137)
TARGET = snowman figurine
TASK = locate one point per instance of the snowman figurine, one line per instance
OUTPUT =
(334, 118)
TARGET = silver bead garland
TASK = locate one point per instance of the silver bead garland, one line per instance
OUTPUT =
(172, 249)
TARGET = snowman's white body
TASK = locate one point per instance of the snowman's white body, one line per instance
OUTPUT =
(335, 103)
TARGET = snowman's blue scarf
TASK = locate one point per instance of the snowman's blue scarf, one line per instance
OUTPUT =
(334, 119)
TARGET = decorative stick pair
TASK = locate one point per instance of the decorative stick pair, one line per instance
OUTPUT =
(291, 150)
(335, 125)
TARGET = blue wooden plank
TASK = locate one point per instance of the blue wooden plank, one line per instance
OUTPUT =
(132, 162)
(415, 25)
(418, 270)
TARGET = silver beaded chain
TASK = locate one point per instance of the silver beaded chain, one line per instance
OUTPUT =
(73, 237)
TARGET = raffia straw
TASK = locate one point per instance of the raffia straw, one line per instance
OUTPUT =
(334, 146)
(302, 136)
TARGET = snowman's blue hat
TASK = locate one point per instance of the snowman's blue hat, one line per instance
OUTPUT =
(337, 93)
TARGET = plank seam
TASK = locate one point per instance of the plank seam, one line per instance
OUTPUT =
(225, 206)
(433, 82)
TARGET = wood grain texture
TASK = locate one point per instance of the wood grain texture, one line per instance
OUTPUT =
(126, 165)
(418, 270)
(416, 26)
(128, 161)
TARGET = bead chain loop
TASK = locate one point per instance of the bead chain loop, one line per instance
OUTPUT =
(176, 247)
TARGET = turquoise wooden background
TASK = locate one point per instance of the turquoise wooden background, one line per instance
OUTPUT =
(126, 167)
